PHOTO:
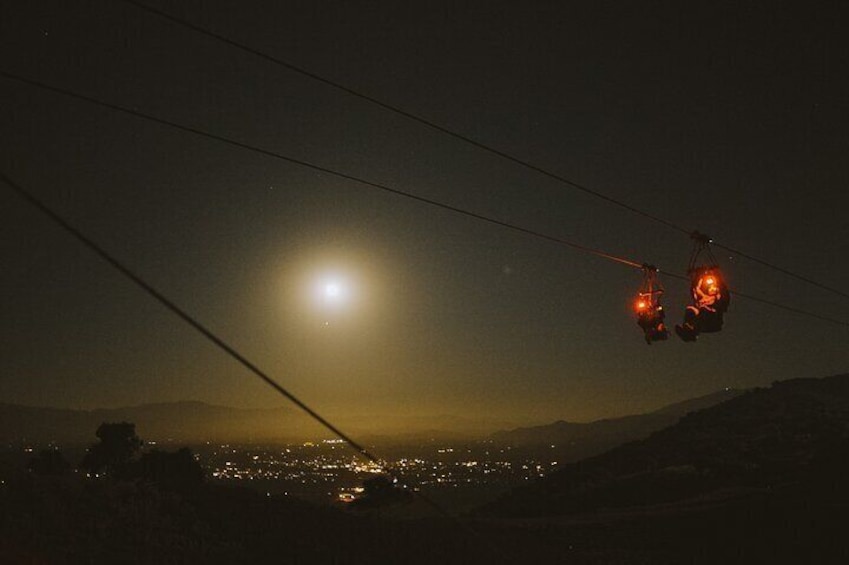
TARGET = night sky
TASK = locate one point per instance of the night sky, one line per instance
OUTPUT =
(729, 119)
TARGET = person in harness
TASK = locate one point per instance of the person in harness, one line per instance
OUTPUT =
(710, 294)
(650, 313)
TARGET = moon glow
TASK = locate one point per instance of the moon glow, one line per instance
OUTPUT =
(332, 290)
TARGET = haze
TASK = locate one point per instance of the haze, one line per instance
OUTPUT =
(378, 310)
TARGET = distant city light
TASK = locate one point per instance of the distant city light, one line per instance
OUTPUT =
(313, 466)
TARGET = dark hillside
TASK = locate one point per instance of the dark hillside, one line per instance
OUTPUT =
(758, 479)
(767, 438)
(570, 441)
(67, 520)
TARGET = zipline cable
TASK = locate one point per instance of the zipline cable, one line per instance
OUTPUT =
(768, 302)
(464, 138)
(322, 169)
(208, 334)
(395, 110)
(780, 269)
(385, 188)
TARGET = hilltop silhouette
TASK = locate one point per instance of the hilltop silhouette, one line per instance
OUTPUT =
(758, 478)
(570, 441)
(759, 439)
(186, 421)
(192, 421)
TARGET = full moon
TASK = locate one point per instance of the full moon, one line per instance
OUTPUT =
(333, 290)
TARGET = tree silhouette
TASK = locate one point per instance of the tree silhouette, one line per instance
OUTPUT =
(381, 491)
(112, 456)
(177, 471)
(49, 462)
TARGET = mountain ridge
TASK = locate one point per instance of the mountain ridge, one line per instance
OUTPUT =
(198, 421)
(792, 435)
(572, 441)
(179, 421)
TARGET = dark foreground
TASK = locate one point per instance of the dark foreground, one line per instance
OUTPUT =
(760, 478)
(69, 520)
